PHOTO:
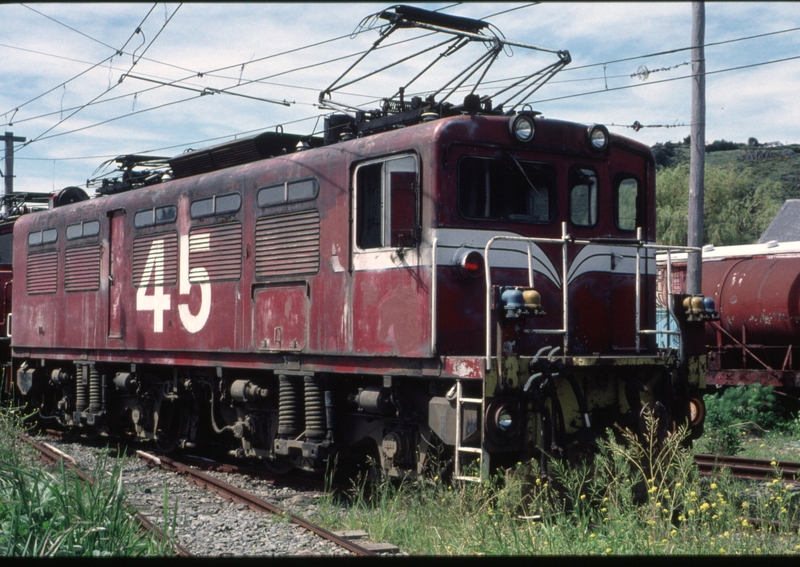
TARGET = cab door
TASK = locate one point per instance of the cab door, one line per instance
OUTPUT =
(391, 282)
(116, 267)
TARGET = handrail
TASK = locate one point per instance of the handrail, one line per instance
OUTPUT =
(434, 287)
(565, 241)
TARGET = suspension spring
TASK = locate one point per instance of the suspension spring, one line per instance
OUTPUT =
(315, 408)
(95, 389)
(289, 417)
(80, 388)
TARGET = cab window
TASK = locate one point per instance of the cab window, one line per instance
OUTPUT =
(582, 196)
(626, 206)
(506, 189)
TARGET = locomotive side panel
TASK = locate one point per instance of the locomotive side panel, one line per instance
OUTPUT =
(62, 275)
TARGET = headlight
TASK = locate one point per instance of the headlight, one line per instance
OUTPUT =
(503, 421)
(598, 137)
(522, 128)
(697, 411)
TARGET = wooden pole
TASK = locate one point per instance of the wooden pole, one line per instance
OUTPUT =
(694, 269)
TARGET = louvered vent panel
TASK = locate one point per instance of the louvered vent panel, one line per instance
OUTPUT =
(215, 253)
(287, 244)
(42, 273)
(82, 268)
(155, 259)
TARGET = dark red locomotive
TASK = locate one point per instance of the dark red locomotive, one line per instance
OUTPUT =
(450, 280)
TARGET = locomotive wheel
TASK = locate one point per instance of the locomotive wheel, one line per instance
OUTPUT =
(277, 467)
(168, 427)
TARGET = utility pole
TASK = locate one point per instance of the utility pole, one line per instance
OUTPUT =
(9, 174)
(697, 159)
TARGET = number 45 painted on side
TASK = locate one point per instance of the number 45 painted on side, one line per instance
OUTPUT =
(159, 301)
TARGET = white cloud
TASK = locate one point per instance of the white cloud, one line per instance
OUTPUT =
(203, 37)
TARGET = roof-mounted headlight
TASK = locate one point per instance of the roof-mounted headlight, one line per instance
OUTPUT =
(598, 137)
(522, 127)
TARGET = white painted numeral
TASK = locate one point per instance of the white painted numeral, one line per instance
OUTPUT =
(159, 301)
(194, 323)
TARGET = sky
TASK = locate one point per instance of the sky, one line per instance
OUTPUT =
(84, 83)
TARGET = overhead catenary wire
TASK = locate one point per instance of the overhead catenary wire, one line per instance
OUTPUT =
(101, 94)
(326, 41)
(93, 66)
(42, 137)
(707, 73)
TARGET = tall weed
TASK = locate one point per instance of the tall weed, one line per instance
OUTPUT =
(638, 496)
(56, 514)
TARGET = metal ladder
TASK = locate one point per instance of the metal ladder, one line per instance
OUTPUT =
(460, 449)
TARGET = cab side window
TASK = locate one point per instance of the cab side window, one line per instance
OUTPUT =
(387, 203)
(627, 203)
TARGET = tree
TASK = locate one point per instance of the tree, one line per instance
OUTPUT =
(737, 208)
(752, 142)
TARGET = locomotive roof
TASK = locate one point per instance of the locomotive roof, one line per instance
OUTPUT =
(555, 134)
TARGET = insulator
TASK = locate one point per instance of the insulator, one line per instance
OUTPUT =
(95, 390)
(80, 388)
(315, 408)
(289, 417)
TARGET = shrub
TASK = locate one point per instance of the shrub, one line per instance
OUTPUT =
(739, 411)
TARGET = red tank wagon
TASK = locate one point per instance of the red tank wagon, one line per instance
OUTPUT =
(756, 288)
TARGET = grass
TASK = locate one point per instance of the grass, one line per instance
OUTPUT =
(637, 497)
(55, 514)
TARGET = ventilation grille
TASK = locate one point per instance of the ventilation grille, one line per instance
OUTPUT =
(287, 244)
(82, 268)
(42, 273)
(215, 253)
(155, 260)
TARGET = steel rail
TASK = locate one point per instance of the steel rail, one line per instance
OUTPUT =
(746, 467)
(53, 455)
(256, 503)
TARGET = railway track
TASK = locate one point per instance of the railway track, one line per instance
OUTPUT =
(228, 519)
(236, 494)
(55, 455)
(748, 468)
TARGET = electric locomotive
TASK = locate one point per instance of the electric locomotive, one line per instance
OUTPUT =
(432, 282)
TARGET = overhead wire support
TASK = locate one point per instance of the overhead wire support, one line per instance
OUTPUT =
(204, 91)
